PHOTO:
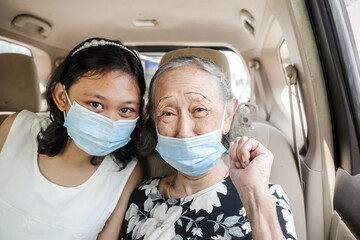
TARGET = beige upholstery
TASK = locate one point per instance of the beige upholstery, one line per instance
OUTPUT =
(284, 169)
(19, 86)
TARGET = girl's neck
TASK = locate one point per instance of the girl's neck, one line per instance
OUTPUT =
(73, 155)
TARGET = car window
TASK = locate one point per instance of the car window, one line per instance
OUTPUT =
(353, 10)
(285, 61)
(239, 77)
(7, 47)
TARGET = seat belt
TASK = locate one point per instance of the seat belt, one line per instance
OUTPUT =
(254, 66)
(292, 79)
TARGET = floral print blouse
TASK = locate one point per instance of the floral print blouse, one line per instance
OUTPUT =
(214, 213)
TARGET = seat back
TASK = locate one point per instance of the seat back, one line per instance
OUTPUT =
(205, 53)
(284, 168)
(19, 85)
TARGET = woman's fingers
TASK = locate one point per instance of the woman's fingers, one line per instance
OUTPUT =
(243, 150)
(234, 159)
(236, 155)
(249, 150)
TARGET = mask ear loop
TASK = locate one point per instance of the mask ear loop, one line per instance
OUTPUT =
(223, 118)
(67, 97)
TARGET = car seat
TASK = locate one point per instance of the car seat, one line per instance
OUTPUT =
(19, 86)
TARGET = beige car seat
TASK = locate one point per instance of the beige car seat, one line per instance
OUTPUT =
(19, 85)
(284, 169)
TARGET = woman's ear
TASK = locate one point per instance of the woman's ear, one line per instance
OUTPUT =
(59, 96)
(229, 115)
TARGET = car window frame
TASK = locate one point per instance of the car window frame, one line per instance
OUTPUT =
(340, 70)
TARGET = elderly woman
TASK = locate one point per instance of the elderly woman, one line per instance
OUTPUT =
(192, 106)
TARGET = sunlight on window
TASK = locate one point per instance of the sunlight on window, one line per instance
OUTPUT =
(284, 57)
(239, 78)
(285, 61)
(353, 9)
(6, 47)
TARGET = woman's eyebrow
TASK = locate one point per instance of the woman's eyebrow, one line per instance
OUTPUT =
(200, 94)
(161, 99)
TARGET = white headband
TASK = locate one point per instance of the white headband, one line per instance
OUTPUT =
(102, 42)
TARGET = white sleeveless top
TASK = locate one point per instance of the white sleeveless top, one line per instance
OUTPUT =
(32, 207)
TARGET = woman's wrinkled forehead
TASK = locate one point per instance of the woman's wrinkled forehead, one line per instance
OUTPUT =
(188, 81)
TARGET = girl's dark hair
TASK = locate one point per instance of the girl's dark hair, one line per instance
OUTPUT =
(91, 61)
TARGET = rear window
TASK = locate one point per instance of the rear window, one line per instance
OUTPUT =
(7, 47)
(239, 77)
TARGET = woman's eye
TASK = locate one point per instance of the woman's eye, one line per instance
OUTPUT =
(200, 112)
(96, 105)
(167, 114)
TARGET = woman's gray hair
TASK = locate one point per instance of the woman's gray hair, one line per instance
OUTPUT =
(149, 137)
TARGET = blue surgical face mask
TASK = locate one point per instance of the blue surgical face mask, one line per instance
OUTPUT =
(192, 156)
(95, 134)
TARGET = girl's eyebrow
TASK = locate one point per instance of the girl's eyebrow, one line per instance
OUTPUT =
(132, 102)
(95, 95)
(104, 98)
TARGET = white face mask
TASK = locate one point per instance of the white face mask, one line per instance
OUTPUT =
(195, 155)
(95, 134)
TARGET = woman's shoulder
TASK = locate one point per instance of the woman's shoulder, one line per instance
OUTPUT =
(147, 188)
(152, 183)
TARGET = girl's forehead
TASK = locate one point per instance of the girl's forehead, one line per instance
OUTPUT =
(116, 83)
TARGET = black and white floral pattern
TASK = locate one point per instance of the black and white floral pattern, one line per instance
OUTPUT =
(214, 213)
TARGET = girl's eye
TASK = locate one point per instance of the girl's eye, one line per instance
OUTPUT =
(126, 110)
(96, 105)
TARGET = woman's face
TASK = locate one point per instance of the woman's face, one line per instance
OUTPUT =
(187, 103)
(114, 95)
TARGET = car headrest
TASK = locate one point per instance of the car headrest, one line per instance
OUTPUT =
(19, 85)
(205, 53)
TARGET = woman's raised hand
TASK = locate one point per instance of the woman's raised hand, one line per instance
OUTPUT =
(250, 162)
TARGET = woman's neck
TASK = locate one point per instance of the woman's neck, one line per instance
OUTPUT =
(180, 185)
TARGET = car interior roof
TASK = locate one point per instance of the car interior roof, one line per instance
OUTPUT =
(176, 21)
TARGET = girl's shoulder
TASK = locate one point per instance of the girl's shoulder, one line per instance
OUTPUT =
(23, 123)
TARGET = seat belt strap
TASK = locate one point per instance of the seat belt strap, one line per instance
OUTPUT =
(254, 66)
(292, 80)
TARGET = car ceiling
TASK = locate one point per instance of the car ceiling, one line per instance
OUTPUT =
(187, 22)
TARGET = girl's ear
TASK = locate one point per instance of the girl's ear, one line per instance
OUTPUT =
(229, 115)
(59, 96)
